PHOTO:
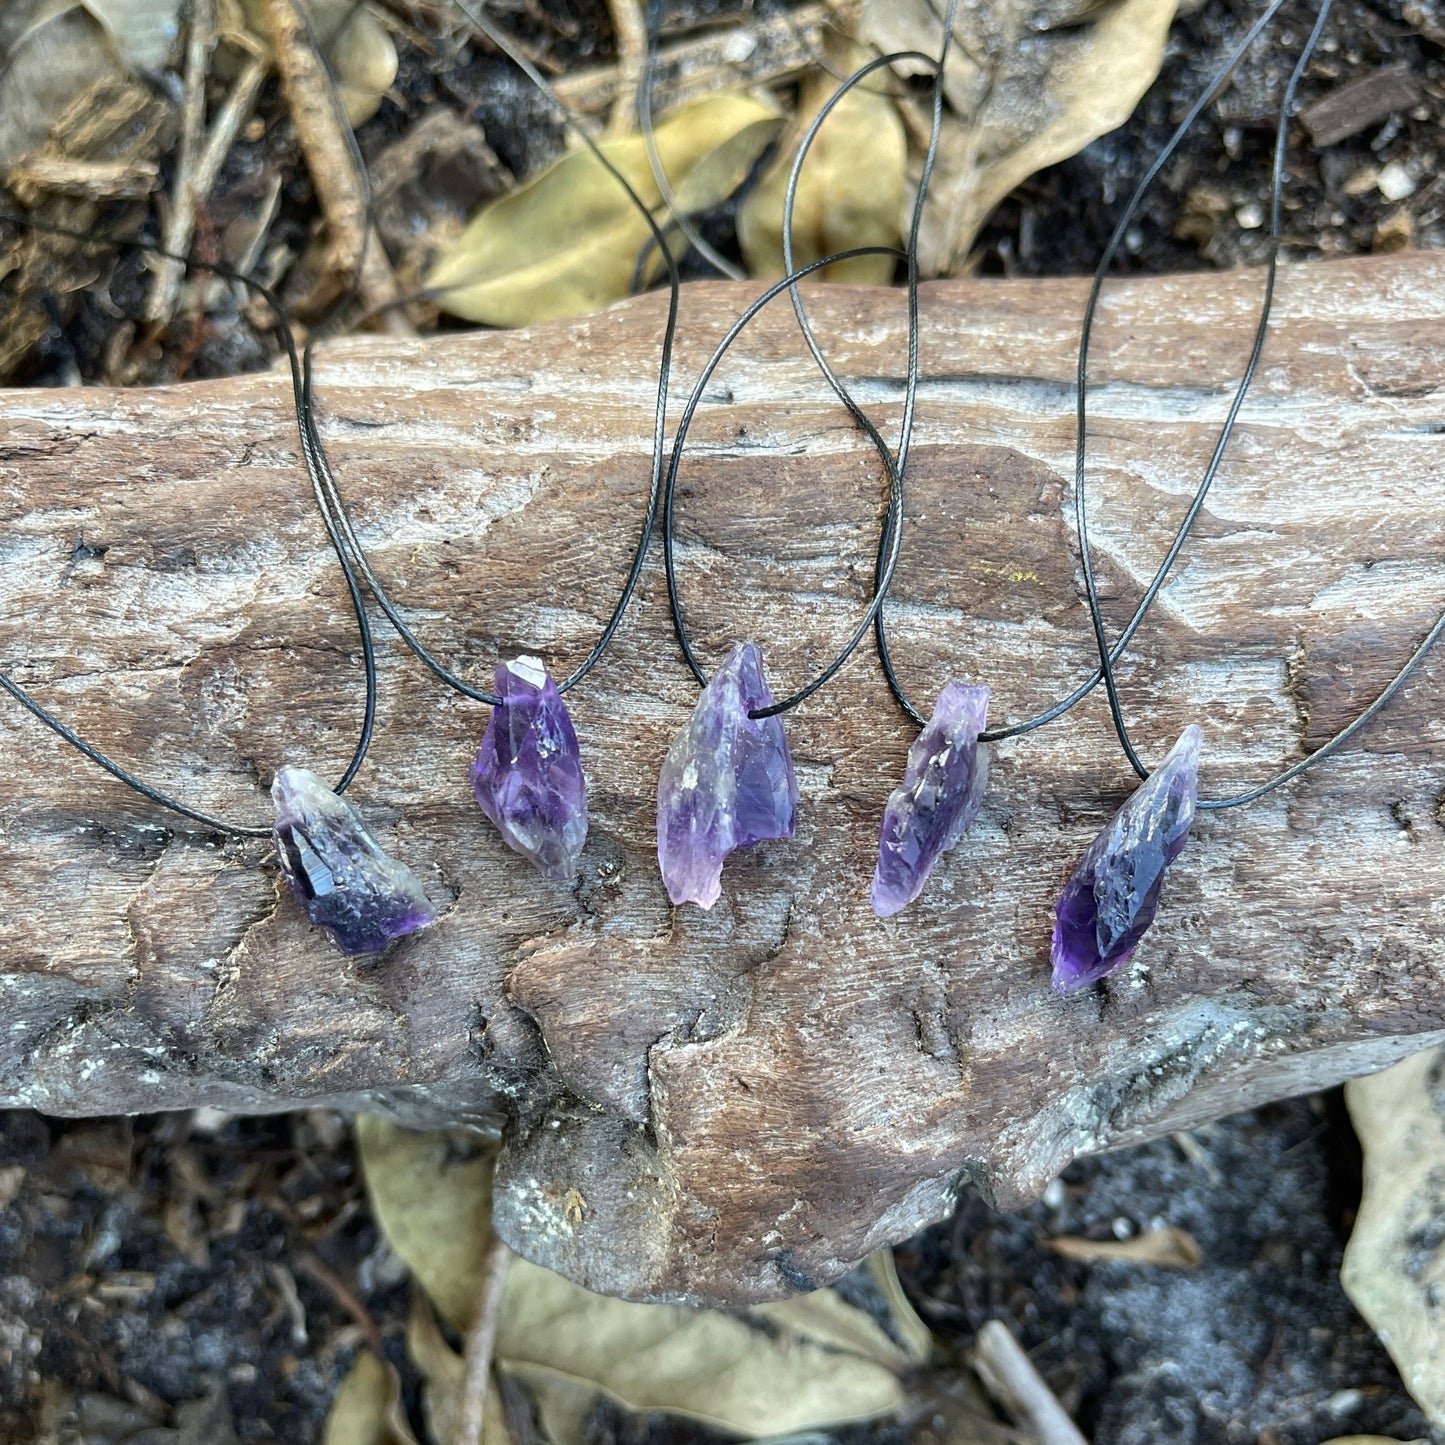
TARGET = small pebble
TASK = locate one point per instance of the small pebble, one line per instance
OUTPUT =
(1345, 1402)
(1364, 179)
(1250, 216)
(1395, 182)
(1123, 1228)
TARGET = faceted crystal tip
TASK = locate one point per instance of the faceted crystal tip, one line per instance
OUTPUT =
(727, 781)
(338, 872)
(527, 774)
(940, 795)
(1113, 895)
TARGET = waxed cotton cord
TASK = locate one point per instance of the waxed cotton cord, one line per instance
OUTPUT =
(314, 461)
(649, 522)
(1107, 656)
(891, 533)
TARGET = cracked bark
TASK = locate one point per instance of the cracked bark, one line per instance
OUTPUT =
(749, 1099)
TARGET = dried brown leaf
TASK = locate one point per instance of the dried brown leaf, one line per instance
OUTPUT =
(1019, 97)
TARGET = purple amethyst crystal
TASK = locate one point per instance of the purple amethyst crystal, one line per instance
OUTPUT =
(337, 871)
(528, 774)
(727, 781)
(1114, 893)
(941, 793)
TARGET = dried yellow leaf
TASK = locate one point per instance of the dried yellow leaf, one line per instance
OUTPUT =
(707, 1365)
(807, 1364)
(366, 1409)
(444, 1379)
(1394, 1266)
(431, 1195)
(568, 242)
(1169, 1246)
(850, 191)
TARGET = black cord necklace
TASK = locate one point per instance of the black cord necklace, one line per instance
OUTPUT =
(338, 873)
(947, 769)
(728, 781)
(527, 775)
(1113, 894)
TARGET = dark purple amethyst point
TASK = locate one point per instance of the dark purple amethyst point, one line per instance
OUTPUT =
(527, 774)
(727, 781)
(338, 872)
(941, 793)
(1113, 895)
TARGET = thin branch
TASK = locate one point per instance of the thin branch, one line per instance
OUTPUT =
(181, 223)
(481, 1341)
(1013, 1381)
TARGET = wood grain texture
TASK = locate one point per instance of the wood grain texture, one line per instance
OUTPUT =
(750, 1099)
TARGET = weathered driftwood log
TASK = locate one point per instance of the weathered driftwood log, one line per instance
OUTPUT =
(734, 1104)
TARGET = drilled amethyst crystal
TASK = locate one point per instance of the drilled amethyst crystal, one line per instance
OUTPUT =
(337, 871)
(727, 781)
(1114, 893)
(528, 774)
(941, 793)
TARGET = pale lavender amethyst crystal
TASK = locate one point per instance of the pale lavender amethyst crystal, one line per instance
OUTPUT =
(1114, 893)
(528, 773)
(338, 872)
(727, 781)
(941, 793)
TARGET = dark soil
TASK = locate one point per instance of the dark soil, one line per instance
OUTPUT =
(149, 1263)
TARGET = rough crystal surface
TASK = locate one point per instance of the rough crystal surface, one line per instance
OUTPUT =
(1113, 895)
(941, 793)
(727, 781)
(338, 872)
(527, 774)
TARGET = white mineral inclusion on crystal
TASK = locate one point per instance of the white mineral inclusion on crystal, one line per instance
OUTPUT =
(531, 670)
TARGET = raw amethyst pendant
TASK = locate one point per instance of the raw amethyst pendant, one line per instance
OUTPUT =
(1114, 893)
(338, 872)
(727, 781)
(528, 773)
(941, 793)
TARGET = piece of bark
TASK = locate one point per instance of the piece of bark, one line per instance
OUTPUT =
(751, 1099)
(1360, 103)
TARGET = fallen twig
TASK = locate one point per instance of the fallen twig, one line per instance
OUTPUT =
(166, 279)
(1014, 1382)
(195, 183)
(323, 131)
(343, 1296)
(762, 52)
(629, 34)
(481, 1341)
